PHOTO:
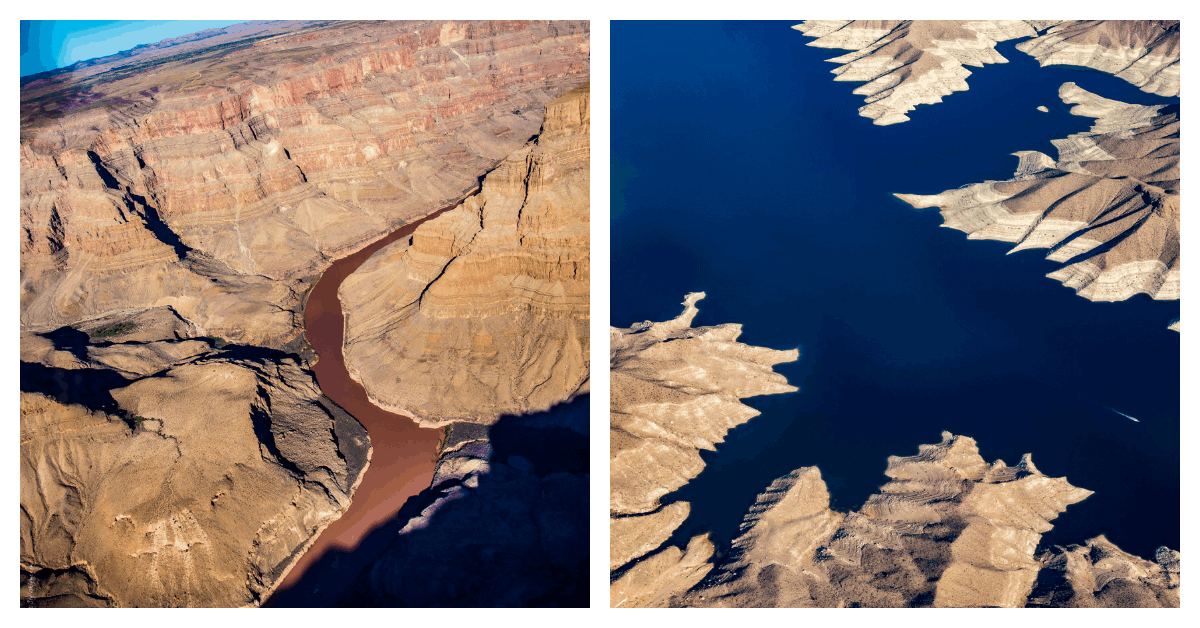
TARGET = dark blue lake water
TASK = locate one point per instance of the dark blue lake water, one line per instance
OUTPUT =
(742, 169)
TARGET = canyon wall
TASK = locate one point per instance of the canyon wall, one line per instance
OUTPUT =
(484, 311)
(176, 205)
(216, 181)
(171, 472)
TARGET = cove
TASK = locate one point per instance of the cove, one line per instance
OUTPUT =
(403, 453)
(742, 169)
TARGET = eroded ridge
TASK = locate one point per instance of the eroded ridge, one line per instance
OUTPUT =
(675, 390)
(484, 311)
(947, 530)
(1108, 208)
(905, 63)
(159, 471)
(1142, 52)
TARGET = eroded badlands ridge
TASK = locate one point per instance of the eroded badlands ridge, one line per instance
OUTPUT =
(948, 529)
(1108, 207)
(171, 472)
(905, 63)
(674, 390)
(484, 312)
(217, 181)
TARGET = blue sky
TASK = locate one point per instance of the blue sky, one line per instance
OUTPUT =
(50, 44)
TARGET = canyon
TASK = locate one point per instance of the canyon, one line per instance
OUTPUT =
(177, 205)
(947, 530)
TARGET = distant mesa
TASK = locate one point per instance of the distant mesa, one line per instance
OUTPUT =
(905, 63)
(1108, 207)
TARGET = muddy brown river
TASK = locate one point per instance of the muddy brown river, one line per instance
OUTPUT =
(403, 454)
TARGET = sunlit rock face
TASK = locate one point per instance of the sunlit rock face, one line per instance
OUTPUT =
(176, 205)
(216, 180)
(485, 310)
(170, 472)
(947, 530)
(675, 390)
(1142, 52)
(905, 63)
(1108, 207)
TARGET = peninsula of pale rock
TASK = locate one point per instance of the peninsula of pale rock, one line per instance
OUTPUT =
(484, 311)
(675, 390)
(1108, 207)
(947, 530)
(905, 63)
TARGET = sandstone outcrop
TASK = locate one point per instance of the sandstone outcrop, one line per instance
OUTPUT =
(484, 311)
(172, 473)
(905, 63)
(1099, 574)
(1108, 207)
(674, 391)
(218, 181)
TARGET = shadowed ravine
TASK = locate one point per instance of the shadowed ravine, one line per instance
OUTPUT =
(403, 453)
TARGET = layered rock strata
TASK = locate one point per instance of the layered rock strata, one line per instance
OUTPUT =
(1142, 52)
(905, 63)
(484, 311)
(169, 472)
(220, 180)
(675, 390)
(176, 205)
(1108, 208)
(948, 530)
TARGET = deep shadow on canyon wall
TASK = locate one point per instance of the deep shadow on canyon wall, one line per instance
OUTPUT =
(511, 533)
